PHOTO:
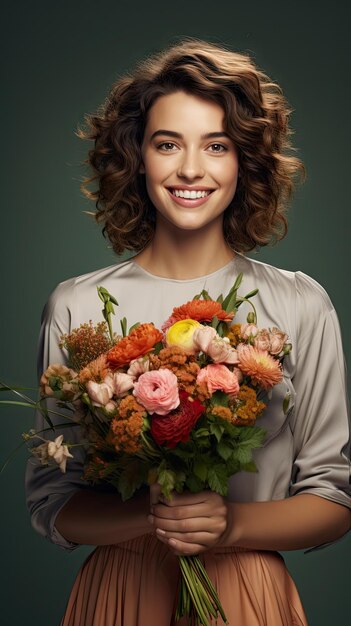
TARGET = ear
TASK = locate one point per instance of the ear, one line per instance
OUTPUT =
(142, 168)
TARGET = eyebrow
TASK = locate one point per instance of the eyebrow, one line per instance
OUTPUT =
(172, 133)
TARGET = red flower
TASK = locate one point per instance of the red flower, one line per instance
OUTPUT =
(178, 424)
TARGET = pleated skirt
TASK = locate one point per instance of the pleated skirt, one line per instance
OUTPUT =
(135, 584)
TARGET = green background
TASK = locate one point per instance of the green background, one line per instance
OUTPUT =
(60, 59)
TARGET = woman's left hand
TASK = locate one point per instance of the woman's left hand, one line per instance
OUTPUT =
(189, 523)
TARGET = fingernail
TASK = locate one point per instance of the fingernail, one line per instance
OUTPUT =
(160, 531)
(150, 519)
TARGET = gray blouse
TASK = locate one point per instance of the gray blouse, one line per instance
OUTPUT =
(306, 449)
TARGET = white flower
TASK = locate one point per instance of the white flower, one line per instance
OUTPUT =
(59, 453)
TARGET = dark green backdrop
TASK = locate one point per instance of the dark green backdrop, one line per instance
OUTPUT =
(61, 58)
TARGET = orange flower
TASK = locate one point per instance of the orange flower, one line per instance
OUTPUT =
(250, 408)
(223, 412)
(96, 370)
(202, 311)
(234, 334)
(126, 426)
(140, 341)
(263, 369)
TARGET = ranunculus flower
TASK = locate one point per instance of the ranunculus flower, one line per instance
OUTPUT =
(202, 311)
(262, 340)
(100, 393)
(177, 426)
(248, 330)
(221, 351)
(181, 334)
(122, 383)
(203, 336)
(157, 391)
(139, 342)
(263, 369)
(138, 366)
(218, 376)
(59, 381)
(277, 340)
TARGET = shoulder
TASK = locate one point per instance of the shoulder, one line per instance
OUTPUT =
(296, 285)
(63, 298)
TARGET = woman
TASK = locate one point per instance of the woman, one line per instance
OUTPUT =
(192, 161)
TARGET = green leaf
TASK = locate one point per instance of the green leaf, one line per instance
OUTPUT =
(220, 298)
(243, 454)
(216, 430)
(219, 398)
(200, 470)
(167, 479)
(201, 432)
(134, 326)
(123, 323)
(194, 484)
(4, 387)
(205, 295)
(27, 404)
(251, 436)
(251, 294)
(224, 450)
(286, 403)
(215, 321)
(218, 479)
(250, 467)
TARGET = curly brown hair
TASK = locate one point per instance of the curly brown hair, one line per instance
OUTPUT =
(256, 119)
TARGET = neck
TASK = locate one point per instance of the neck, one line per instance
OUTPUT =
(185, 254)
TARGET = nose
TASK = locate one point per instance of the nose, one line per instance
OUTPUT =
(190, 165)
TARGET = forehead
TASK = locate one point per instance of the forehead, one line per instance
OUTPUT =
(182, 110)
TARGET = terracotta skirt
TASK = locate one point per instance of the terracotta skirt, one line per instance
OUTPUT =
(134, 584)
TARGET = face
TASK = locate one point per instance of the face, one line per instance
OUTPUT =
(190, 163)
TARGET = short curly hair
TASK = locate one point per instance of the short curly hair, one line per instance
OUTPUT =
(256, 119)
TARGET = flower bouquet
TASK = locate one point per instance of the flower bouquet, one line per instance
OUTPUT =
(176, 405)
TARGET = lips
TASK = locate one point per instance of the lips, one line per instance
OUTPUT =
(189, 202)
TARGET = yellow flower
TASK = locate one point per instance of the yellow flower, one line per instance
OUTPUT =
(181, 334)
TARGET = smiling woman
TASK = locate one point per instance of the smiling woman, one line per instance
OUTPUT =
(194, 167)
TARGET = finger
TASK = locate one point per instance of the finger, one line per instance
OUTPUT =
(182, 512)
(188, 525)
(185, 499)
(180, 548)
(199, 538)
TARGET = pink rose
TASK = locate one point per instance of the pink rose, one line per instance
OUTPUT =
(277, 340)
(157, 391)
(262, 340)
(100, 393)
(122, 383)
(221, 351)
(138, 366)
(248, 330)
(203, 336)
(218, 376)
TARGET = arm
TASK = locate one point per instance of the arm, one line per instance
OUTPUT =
(97, 518)
(193, 523)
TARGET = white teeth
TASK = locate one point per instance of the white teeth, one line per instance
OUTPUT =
(185, 193)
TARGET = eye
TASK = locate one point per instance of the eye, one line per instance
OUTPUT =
(166, 146)
(218, 147)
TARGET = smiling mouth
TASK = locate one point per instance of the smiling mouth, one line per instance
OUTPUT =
(190, 195)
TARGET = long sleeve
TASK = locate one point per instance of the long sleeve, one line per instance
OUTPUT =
(320, 424)
(47, 488)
